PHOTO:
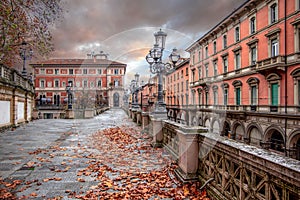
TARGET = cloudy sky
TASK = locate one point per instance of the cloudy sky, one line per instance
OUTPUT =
(124, 28)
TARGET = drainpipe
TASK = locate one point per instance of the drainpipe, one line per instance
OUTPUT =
(285, 81)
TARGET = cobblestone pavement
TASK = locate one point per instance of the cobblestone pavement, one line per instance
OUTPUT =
(52, 159)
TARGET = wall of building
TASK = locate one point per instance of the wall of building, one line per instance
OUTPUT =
(16, 97)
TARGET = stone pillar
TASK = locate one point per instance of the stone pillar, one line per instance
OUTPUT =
(157, 125)
(145, 119)
(70, 114)
(188, 152)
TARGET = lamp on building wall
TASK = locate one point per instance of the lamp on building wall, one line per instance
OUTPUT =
(25, 54)
(70, 95)
(154, 58)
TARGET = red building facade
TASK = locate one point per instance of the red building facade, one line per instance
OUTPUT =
(244, 78)
(94, 82)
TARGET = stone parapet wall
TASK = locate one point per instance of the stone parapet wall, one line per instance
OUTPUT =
(16, 98)
(242, 171)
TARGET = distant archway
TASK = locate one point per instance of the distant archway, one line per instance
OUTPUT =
(116, 99)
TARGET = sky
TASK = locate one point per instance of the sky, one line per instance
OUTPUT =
(124, 28)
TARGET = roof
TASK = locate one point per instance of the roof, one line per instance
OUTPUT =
(77, 62)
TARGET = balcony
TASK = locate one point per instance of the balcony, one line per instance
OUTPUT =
(277, 62)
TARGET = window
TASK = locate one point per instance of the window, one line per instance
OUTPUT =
(238, 96)
(206, 97)
(225, 64)
(187, 99)
(253, 55)
(206, 52)
(199, 55)
(193, 75)
(252, 25)
(237, 34)
(237, 88)
(70, 83)
(237, 60)
(42, 84)
(215, 47)
(215, 68)
(274, 48)
(206, 70)
(92, 84)
(253, 95)
(85, 83)
(71, 71)
(63, 84)
(77, 83)
(186, 72)
(224, 41)
(215, 93)
(274, 94)
(56, 83)
(42, 71)
(225, 97)
(99, 71)
(199, 73)
(116, 71)
(273, 13)
(84, 71)
(193, 59)
(182, 86)
(56, 71)
(187, 85)
(116, 83)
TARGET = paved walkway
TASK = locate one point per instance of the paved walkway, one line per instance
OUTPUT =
(106, 157)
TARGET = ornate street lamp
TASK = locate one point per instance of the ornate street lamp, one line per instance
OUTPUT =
(69, 93)
(25, 54)
(154, 59)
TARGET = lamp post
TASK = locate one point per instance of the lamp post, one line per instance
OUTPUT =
(69, 93)
(154, 58)
(25, 54)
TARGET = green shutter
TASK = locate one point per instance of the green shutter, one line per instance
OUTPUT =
(274, 94)
(238, 96)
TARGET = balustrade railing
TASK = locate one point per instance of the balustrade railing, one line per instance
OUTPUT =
(243, 108)
(12, 76)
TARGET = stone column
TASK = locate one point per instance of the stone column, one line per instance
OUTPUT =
(188, 152)
(157, 125)
(145, 119)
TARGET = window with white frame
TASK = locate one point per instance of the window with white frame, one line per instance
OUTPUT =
(224, 41)
(274, 47)
(206, 70)
(253, 90)
(56, 71)
(237, 33)
(296, 24)
(253, 55)
(237, 60)
(273, 12)
(42, 71)
(71, 71)
(296, 76)
(199, 73)
(77, 83)
(215, 95)
(187, 84)
(42, 83)
(99, 71)
(199, 55)
(84, 71)
(193, 75)
(225, 96)
(116, 71)
(252, 25)
(215, 65)
(92, 84)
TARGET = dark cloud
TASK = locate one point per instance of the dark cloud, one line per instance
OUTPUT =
(124, 28)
